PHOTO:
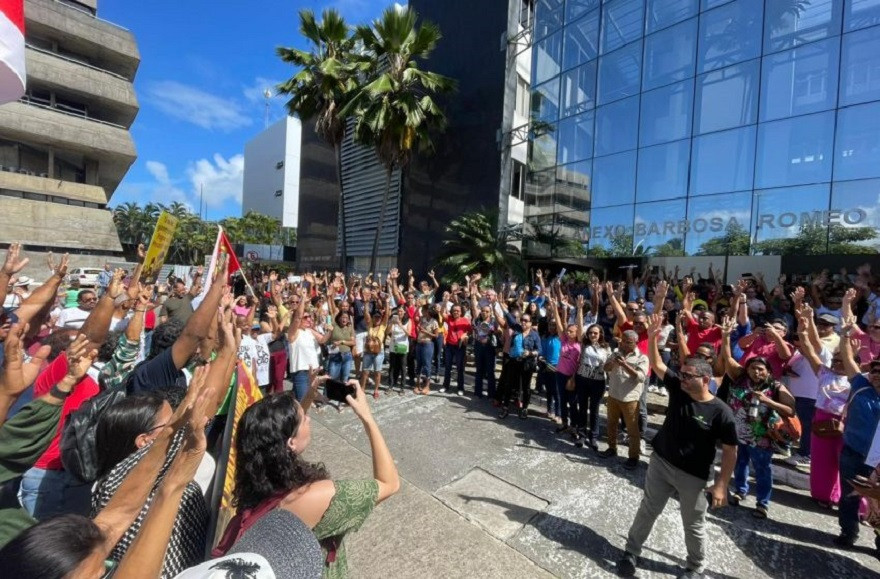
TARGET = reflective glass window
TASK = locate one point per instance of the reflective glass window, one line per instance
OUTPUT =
(617, 126)
(545, 101)
(723, 161)
(670, 55)
(539, 188)
(579, 89)
(581, 40)
(856, 228)
(795, 151)
(622, 22)
(614, 179)
(800, 81)
(726, 98)
(575, 142)
(548, 16)
(620, 73)
(861, 14)
(709, 4)
(543, 149)
(857, 145)
(660, 228)
(663, 171)
(666, 114)
(788, 24)
(790, 221)
(663, 13)
(573, 184)
(611, 231)
(575, 8)
(719, 224)
(860, 67)
(546, 57)
(730, 34)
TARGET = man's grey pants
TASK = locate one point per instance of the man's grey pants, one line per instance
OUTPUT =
(661, 482)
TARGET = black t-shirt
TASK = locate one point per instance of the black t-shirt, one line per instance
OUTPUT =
(691, 430)
(360, 311)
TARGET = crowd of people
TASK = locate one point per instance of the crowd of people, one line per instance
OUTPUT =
(115, 400)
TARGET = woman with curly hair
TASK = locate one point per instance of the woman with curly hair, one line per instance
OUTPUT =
(271, 474)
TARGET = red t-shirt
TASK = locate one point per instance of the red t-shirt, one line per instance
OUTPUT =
(456, 329)
(698, 335)
(414, 315)
(85, 389)
(150, 319)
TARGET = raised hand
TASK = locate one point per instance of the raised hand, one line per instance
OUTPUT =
(141, 251)
(580, 301)
(728, 324)
(79, 357)
(797, 296)
(655, 324)
(115, 288)
(145, 295)
(13, 264)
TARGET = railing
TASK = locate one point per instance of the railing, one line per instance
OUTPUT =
(30, 102)
(76, 61)
(85, 10)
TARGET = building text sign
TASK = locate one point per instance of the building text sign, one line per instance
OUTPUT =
(785, 220)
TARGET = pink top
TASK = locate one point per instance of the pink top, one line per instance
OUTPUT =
(569, 355)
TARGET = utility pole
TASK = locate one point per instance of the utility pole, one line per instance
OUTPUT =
(268, 94)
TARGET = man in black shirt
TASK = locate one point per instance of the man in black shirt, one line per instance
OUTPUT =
(684, 450)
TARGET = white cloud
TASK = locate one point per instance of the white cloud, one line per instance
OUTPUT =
(164, 190)
(192, 105)
(220, 179)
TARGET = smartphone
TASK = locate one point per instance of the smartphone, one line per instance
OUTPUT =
(337, 391)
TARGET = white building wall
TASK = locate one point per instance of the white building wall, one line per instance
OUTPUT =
(271, 172)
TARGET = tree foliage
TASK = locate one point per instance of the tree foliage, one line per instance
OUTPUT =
(194, 237)
(817, 238)
(734, 241)
(475, 245)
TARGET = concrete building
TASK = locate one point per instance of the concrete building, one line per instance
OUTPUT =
(272, 171)
(65, 146)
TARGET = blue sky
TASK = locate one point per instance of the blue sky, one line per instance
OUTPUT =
(204, 67)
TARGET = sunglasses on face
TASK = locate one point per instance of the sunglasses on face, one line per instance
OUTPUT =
(688, 375)
(88, 300)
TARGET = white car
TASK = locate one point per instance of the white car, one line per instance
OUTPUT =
(87, 276)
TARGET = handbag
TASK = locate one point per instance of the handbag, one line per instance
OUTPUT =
(373, 345)
(834, 427)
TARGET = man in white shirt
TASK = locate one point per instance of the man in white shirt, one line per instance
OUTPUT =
(74, 318)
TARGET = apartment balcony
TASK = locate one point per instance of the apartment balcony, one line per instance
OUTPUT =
(17, 180)
(110, 93)
(106, 45)
(110, 145)
(38, 223)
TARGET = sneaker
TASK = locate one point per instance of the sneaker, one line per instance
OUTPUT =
(503, 412)
(523, 413)
(460, 392)
(798, 461)
(631, 464)
(626, 567)
(690, 574)
(845, 541)
(662, 391)
(642, 448)
(551, 417)
(608, 453)
(593, 444)
(443, 389)
(652, 389)
(561, 428)
(735, 499)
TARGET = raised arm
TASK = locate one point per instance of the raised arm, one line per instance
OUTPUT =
(615, 303)
(43, 297)
(384, 469)
(850, 366)
(655, 326)
(199, 324)
(731, 366)
(11, 267)
(560, 329)
(681, 332)
(660, 291)
(196, 287)
(805, 347)
(97, 325)
(782, 347)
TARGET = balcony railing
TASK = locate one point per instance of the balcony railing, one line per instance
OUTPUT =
(66, 110)
(76, 61)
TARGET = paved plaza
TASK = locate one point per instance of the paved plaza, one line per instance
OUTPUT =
(482, 497)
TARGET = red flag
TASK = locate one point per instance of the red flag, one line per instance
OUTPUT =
(12, 70)
(224, 247)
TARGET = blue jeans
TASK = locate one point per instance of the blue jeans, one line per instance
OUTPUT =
(301, 384)
(49, 493)
(547, 380)
(424, 355)
(340, 366)
(805, 408)
(484, 355)
(760, 459)
(851, 464)
(454, 354)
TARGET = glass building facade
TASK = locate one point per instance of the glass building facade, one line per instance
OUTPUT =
(707, 127)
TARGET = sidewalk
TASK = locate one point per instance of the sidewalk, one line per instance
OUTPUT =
(482, 497)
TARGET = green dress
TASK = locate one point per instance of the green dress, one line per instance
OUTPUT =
(351, 505)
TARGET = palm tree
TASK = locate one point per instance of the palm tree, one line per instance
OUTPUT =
(130, 222)
(324, 84)
(476, 245)
(395, 111)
